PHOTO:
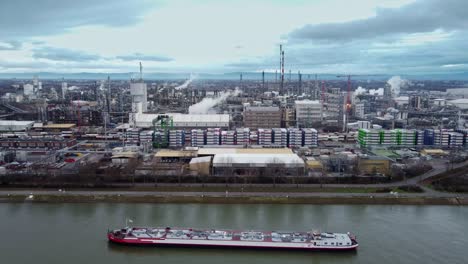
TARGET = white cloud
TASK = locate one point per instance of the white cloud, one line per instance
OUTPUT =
(219, 36)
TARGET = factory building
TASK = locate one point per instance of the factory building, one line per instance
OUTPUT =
(403, 137)
(359, 110)
(250, 164)
(138, 91)
(461, 103)
(186, 121)
(262, 117)
(308, 112)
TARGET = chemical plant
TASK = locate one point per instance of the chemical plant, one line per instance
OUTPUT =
(294, 127)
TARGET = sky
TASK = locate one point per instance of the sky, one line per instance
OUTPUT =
(213, 36)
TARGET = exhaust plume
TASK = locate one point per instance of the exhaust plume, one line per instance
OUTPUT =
(396, 82)
(205, 106)
(379, 91)
(359, 91)
(186, 83)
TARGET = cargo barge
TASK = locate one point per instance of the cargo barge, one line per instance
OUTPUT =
(190, 237)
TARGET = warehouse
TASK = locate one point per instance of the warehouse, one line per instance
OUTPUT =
(214, 151)
(14, 126)
(186, 121)
(248, 164)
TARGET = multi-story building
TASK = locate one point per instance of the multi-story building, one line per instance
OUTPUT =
(262, 117)
(308, 112)
(359, 110)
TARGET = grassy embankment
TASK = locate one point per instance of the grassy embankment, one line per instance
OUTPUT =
(235, 200)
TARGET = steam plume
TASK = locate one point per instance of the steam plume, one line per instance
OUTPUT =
(186, 83)
(360, 90)
(396, 82)
(205, 106)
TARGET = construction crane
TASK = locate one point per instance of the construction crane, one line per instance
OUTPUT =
(348, 104)
(164, 123)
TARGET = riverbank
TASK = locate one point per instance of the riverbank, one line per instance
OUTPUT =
(232, 198)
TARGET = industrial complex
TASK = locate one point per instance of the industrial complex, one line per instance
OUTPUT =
(270, 126)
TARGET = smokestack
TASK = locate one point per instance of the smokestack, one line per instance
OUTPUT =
(281, 69)
(263, 80)
(141, 72)
(299, 75)
(240, 83)
(281, 60)
(108, 94)
(282, 73)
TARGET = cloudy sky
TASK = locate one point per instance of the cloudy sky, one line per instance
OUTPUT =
(320, 36)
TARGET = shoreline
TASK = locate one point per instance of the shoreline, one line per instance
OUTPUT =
(368, 199)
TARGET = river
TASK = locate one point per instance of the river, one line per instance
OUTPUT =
(76, 233)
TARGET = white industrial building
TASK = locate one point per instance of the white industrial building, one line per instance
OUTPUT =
(401, 100)
(458, 92)
(460, 103)
(186, 120)
(64, 90)
(12, 125)
(138, 91)
(307, 112)
(28, 89)
(257, 164)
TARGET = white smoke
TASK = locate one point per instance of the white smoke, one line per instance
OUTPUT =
(359, 91)
(186, 83)
(396, 82)
(379, 91)
(205, 106)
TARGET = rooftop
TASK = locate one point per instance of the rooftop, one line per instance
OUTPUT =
(56, 126)
(215, 151)
(15, 123)
(307, 102)
(257, 160)
(167, 153)
(262, 108)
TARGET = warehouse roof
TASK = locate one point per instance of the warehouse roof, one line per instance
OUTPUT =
(124, 155)
(214, 151)
(12, 125)
(167, 153)
(200, 118)
(59, 126)
(257, 160)
(200, 160)
(15, 123)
